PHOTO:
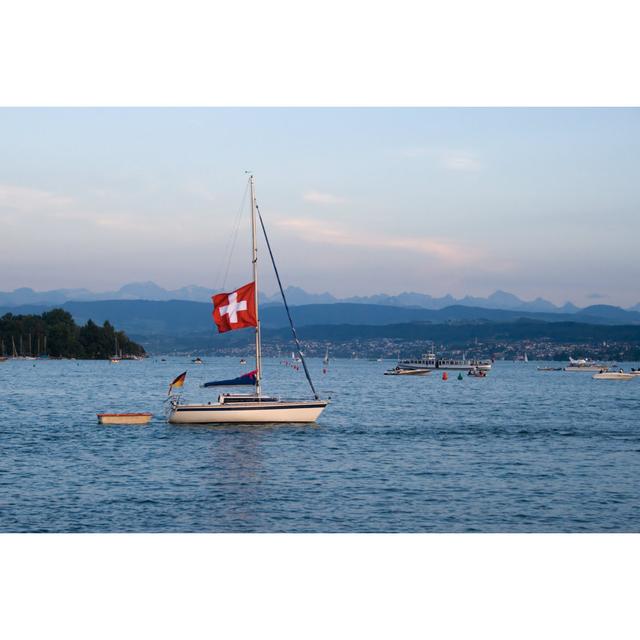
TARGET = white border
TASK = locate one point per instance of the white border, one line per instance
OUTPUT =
(338, 52)
(319, 586)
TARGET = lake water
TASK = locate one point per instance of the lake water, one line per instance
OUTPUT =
(521, 450)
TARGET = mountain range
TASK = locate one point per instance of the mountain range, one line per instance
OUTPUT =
(182, 317)
(295, 296)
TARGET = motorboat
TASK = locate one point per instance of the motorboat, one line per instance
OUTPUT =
(584, 365)
(398, 371)
(613, 375)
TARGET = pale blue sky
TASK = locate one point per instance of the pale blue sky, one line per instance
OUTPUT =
(540, 202)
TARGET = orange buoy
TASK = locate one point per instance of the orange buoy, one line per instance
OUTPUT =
(444, 375)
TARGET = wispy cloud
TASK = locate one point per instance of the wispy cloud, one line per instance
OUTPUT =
(596, 296)
(27, 199)
(317, 197)
(444, 250)
(451, 159)
(460, 161)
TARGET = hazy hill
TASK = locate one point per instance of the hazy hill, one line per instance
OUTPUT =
(179, 317)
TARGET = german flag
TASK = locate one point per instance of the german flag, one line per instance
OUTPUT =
(178, 382)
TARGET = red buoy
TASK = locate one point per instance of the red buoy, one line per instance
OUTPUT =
(444, 375)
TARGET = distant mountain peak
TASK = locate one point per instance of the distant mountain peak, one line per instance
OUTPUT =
(296, 296)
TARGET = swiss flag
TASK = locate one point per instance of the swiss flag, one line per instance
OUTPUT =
(235, 310)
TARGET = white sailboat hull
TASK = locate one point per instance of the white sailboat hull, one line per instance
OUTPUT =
(249, 413)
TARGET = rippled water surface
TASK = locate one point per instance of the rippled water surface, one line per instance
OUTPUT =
(521, 450)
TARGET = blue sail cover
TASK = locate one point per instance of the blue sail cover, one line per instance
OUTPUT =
(247, 378)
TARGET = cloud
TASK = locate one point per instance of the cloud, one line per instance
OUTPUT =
(451, 159)
(316, 197)
(26, 199)
(596, 296)
(446, 251)
(459, 161)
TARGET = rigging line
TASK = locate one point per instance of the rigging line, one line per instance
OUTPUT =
(286, 306)
(231, 243)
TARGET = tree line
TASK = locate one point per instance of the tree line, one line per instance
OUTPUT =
(55, 334)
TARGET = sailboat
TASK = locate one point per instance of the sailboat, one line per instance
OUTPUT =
(116, 357)
(325, 360)
(253, 408)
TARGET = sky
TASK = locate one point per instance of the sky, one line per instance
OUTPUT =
(357, 201)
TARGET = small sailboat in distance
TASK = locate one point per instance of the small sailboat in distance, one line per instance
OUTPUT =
(236, 310)
(116, 357)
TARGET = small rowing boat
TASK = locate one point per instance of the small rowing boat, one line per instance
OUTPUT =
(124, 418)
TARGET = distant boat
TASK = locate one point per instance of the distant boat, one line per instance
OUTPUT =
(325, 360)
(407, 372)
(477, 373)
(197, 361)
(243, 361)
(117, 356)
(431, 362)
(613, 375)
(525, 359)
(585, 365)
(549, 368)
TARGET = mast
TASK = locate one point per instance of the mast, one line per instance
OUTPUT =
(254, 260)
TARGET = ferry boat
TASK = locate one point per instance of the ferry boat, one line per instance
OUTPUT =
(431, 362)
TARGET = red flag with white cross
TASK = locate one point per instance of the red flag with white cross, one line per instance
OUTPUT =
(235, 310)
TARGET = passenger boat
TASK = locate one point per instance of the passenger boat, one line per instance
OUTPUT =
(124, 418)
(613, 375)
(431, 362)
(239, 312)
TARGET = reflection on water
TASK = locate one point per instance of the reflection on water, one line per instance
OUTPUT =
(518, 451)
